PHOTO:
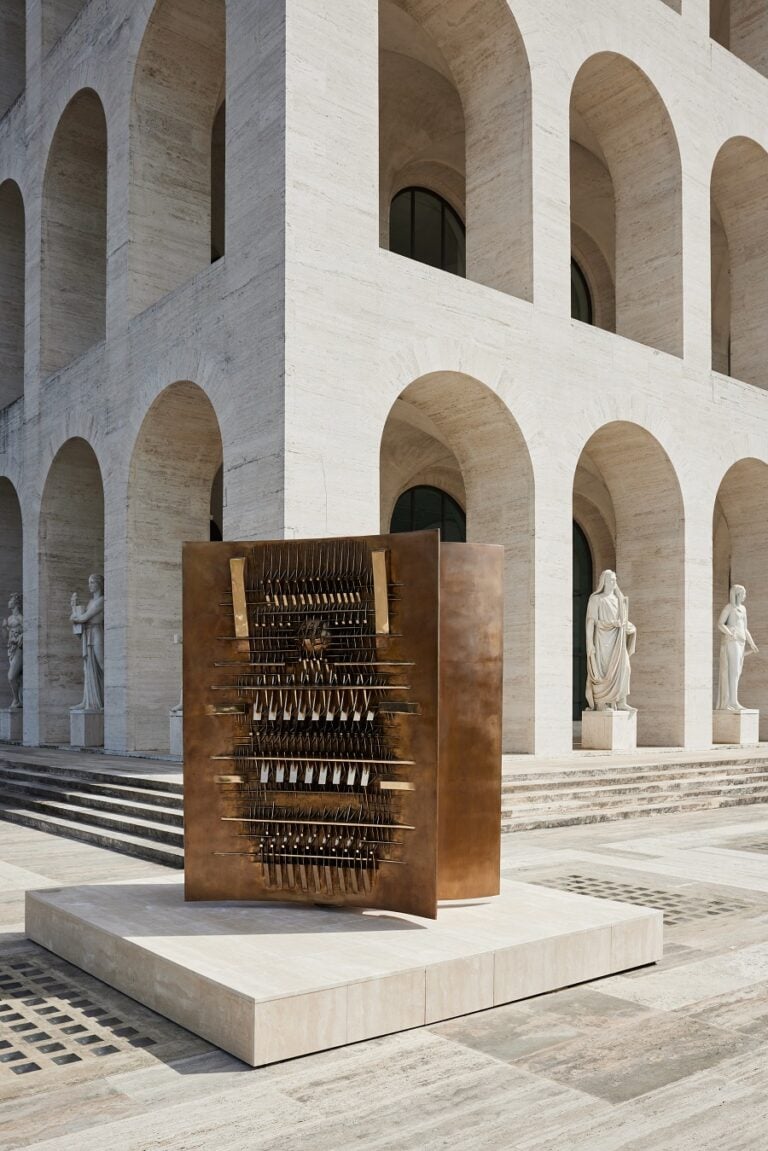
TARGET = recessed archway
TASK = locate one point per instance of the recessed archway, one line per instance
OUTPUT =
(71, 544)
(450, 431)
(11, 569)
(627, 499)
(12, 248)
(741, 26)
(177, 148)
(626, 201)
(174, 489)
(74, 248)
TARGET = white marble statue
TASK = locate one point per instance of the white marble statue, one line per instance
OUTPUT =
(735, 643)
(88, 623)
(13, 626)
(610, 642)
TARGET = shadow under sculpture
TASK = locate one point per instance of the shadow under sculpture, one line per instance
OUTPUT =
(610, 723)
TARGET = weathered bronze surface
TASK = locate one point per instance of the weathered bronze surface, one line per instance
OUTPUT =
(320, 679)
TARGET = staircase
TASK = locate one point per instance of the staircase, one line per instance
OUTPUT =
(591, 794)
(130, 813)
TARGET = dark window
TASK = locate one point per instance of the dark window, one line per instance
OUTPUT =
(582, 590)
(581, 299)
(424, 227)
(425, 507)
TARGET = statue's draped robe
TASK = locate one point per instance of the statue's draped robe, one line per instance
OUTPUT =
(732, 652)
(93, 663)
(608, 669)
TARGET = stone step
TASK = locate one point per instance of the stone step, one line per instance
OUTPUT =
(17, 792)
(120, 779)
(134, 826)
(533, 821)
(15, 777)
(613, 796)
(133, 845)
(580, 776)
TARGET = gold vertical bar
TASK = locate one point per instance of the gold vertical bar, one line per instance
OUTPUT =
(380, 590)
(239, 606)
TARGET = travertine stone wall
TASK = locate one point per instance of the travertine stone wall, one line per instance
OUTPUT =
(748, 32)
(12, 52)
(57, 17)
(11, 293)
(11, 559)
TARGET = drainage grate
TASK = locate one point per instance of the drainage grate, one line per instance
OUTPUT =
(677, 908)
(48, 1020)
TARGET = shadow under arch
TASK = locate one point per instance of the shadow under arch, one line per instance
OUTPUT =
(641, 506)
(469, 431)
(12, 292)
(172, 478)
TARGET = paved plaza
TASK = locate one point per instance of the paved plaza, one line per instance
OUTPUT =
(670, 1058)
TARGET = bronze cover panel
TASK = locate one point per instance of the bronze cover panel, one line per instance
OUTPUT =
(471, 670)
(311, 737)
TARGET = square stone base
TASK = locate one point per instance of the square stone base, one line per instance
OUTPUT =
(741, 728)
(273, 981)
(11, 725)
(609, 730)
(176, 722)
(86, 728)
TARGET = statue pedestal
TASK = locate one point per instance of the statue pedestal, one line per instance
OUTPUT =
(741, 728)
(86, 728)
(11, 725)
(609, 730)
(176, 720)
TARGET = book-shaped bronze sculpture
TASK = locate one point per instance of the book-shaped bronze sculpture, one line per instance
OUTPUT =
(342, 721)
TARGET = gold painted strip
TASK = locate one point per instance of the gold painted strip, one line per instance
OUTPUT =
(396, 785)
(240, 608)
(380, 590)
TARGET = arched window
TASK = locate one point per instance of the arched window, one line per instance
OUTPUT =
(581, 298)
(425, 507)
(424, 227)
(583, 577)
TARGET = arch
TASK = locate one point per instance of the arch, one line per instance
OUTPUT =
(12, 280)
(626, 189)
(57, 17)
(740, 555)
(455, 116)
(583, 586)
(71, 545)
(424, 227)
(636, 489)
(11, 567)
(741, 26)
(423, 507)
(171, 493)
(74, 243)
(449, 430)
(581, 297)
(13, 52)
(739, 260)
(175, 146)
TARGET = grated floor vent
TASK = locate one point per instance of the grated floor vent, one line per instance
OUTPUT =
(678, 908)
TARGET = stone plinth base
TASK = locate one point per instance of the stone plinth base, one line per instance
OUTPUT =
(11, 725)
(736, 727)
(273, 981)
(86, 728)
(609, 730)
(176, 721)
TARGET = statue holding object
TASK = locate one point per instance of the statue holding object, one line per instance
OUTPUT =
(88, 623)
(735, 644)
(611, 641)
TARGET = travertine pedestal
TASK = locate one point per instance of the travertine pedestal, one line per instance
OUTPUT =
(741, 728)
(176, 723)
(609, 730)
(86, 728)
(11, 725)
(273, 981)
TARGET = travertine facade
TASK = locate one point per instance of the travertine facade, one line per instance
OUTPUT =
(326, 375)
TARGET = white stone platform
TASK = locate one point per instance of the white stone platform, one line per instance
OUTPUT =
(609, 730)
(738, 728)
(270, 982)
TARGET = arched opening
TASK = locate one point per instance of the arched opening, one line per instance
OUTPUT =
(424, 227)
(12, 247)
(13, 52)
(177, 148)
(57, 17)
(441, 433)
(175, 494)
(583, 586)
(11, 571)
(581, 297)
(632, 517)
(626, 221)
(741, 26)
(423, 508)
(739, 258)
(740, 556)
(454, 118)
(71, 549)
(74, 248)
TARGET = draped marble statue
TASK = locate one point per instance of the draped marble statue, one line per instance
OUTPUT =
(610, 642)
(735, 643)
(13, 626)
(88, 623)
